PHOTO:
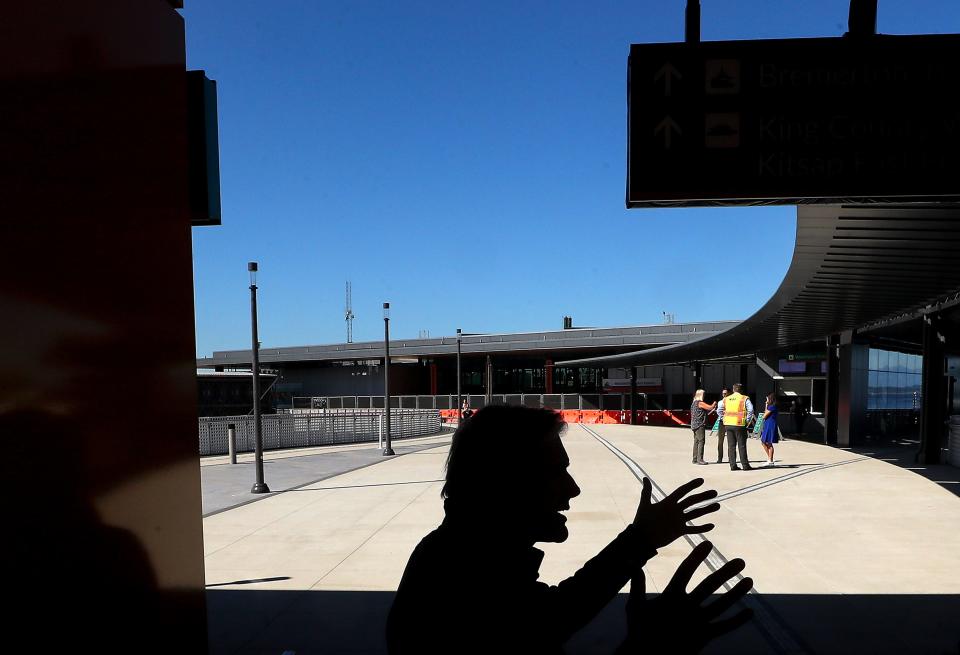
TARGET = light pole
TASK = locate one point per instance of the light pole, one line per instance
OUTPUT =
(259, 487)
(459, 401)
(387, 449)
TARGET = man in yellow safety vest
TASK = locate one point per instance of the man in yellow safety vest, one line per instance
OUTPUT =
(737, 413)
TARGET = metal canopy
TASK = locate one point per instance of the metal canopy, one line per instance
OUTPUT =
(574, 341)
(852, 265)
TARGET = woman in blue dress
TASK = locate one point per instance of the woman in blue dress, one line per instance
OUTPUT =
(769, 435)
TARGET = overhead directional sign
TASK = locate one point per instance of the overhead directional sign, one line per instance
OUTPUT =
(869, 119)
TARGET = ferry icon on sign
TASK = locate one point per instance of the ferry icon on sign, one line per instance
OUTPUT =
(722, 76)
(723, 130)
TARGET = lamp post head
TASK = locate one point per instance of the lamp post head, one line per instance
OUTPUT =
(386, 311)
(252, 268)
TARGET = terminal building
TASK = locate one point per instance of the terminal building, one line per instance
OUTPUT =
(863, 332)
(504, 367)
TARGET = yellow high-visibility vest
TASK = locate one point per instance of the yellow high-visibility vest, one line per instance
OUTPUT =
(735, 410)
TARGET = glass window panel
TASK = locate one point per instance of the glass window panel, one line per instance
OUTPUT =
(874, 359)
(872, 390)
(896, 362)
(917, 364)
(883, 383)
(883, 360)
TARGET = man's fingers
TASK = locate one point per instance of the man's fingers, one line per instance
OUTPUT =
(697, 498)
(680, 580)
(729, 599)
(715, 580)
(646, 492)
(698, 529)
(683, 490)
(718, 628)
(701, 511)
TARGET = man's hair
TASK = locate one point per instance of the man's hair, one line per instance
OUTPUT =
(496, 451)
(737, 387)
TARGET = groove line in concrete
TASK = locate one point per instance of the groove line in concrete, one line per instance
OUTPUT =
(771, 625)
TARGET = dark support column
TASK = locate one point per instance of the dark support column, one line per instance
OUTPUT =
(698, 376)
(933, 389)
(852, 393)
(833, 390)
(633, 395)
(98, 416)
(433, 378)
(548, 372)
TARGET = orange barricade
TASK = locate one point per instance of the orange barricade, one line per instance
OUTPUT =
(614, 416)
(448, 415)
(590, 416)
(663, 417)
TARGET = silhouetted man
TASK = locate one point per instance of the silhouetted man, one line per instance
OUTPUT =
(471, 585)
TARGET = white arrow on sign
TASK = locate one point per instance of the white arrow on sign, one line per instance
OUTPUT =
(667, 126)
(667, 72)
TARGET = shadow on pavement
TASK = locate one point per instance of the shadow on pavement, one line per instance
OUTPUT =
(311, 622)
(903, 453)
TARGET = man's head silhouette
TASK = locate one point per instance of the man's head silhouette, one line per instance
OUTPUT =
(507, 470)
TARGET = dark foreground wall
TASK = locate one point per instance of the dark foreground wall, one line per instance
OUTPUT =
(102, 528)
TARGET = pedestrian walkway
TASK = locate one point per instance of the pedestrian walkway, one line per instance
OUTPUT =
(849, 553)
(226, 485)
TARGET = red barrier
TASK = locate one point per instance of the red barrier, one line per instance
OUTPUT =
(449, 415)
(660, 418)
(570, 415)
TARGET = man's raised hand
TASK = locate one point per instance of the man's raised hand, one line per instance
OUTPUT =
(658, 524)
(677, 621)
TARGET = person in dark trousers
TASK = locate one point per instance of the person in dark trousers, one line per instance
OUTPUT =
(799, 414)
(721, 429)
(737, 413)
(471, 585)
(698, 423)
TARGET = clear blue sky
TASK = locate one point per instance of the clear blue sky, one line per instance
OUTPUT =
(464, 161)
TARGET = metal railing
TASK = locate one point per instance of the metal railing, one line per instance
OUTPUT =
(558, 401)
(302, 428)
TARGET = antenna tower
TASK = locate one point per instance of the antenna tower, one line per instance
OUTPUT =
(348, 313)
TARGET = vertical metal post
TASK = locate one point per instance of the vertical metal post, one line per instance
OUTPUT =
(232, 442)
(259, 487)
(388, 448)
(633, 395)
(489, 376)
(862, 20)
(459, 400)
(692, 31)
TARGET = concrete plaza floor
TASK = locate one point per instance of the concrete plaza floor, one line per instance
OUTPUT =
(849, 553)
